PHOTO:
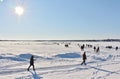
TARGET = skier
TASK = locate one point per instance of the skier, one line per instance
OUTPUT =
(84, 58)
(31, 63)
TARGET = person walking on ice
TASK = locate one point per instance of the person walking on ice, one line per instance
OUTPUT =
(31, 63)
(84, 58)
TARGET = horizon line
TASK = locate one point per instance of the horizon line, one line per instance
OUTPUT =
(62, 40)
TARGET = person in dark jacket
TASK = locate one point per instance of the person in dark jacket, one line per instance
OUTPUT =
(116, 48)
(98, 49)
(31, 63)
(84, 58)
(94, 48)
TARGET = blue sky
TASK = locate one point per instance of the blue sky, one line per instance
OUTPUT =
(60, 19)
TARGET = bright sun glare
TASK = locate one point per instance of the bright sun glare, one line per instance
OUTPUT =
(19, 10)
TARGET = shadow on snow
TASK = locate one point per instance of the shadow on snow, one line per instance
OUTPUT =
(68, 55)
(34, 74)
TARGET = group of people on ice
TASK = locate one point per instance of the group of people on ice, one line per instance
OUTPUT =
(84, 57)
(32, 61)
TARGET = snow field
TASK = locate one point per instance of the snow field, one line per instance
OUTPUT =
(54, 61)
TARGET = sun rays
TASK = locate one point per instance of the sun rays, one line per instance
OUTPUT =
(19, 10)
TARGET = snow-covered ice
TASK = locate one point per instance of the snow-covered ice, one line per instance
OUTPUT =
(55, 61)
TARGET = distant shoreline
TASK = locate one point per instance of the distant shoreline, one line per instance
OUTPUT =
(103, 40)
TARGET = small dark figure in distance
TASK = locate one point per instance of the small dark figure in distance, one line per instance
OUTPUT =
(84, 58)
(94, 48)
(110, 47)
(66, 45)
(31, 63)
(116, 48)
(98, 49)
(82, 47)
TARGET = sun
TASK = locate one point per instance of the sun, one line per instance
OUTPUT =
(19, 10)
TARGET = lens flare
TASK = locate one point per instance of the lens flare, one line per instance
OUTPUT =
(1, 0)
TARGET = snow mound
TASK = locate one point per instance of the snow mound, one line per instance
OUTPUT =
(13, 58)
(21, 57)
(27, 56)
(102, 58)
(68, 55)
